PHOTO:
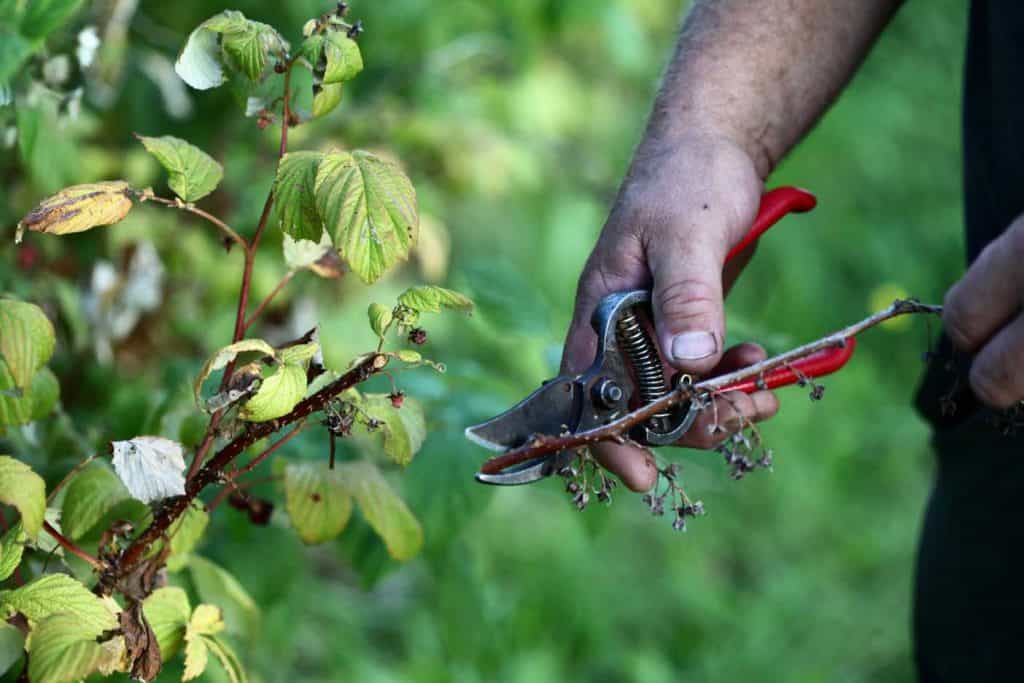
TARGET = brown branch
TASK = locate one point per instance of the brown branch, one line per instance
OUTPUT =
(178, 204)
(546, 444)
(213, 471)
(266, 302)
(72, 548)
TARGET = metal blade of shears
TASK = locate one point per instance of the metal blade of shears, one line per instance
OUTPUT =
(551, 409)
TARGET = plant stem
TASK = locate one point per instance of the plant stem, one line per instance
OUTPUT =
(213, 471)
(178, 204)
(72, 548)
(546, 444)
(270, 297)
(67, 477)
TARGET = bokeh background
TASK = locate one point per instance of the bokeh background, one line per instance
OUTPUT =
(516, 121)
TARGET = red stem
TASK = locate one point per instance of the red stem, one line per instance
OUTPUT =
(72, 548)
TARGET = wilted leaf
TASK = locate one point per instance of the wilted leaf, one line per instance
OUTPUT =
(294, 196)
(78, 208)
(227, 39)
(25, 490)
(167, 610)
(380, 318)
(225, 356)
(90, 495)
(141, 644)
(26, 339)
(62, 650)
(218, 587)
(343, 59)
(326, 97)
(35, 403)
(193, 173)
(151, 467)
(277, 395)
(302, 254)
(298, 354)
(12, 646)
(431, 299)
(404, 428)
(58, 594)
(370, 206)
(12, 545)
(318, 504)
(383, 509)
(185, 534)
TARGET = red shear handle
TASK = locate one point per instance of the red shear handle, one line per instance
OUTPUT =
(817, 364)
(774, 205)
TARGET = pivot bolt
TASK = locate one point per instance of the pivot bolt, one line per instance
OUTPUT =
(607, 393)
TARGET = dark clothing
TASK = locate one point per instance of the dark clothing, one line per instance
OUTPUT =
(969, 594)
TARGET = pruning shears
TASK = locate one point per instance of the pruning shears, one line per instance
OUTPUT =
(628, 374)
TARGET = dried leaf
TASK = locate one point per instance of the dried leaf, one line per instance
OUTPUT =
(78, 208)
(225, 356)
(151, 467)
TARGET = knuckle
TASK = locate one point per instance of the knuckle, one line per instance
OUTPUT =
(957, 318)
(686, 299)
(992, 384)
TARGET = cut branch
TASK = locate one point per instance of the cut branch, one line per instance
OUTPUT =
(213, 471)
(542, 445)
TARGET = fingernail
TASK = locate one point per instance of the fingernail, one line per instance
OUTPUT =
(693, 346)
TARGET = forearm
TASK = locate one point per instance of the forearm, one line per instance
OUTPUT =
(761, 72)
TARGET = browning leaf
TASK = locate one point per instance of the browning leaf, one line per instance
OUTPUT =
(78, 208)
(141, 643)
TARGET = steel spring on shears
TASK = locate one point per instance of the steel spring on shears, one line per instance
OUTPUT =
(646, 362)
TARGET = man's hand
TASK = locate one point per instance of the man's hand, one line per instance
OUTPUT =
(680, 210)
(983, 316)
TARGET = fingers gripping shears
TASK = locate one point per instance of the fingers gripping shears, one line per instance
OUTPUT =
(627, 374)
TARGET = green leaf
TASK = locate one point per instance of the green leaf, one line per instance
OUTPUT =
(90, 496)
(317, 502)
(404, 428)
(14, 50)
(185, 534)
(409, 356)
(217, 587)
(326, 97)
(277, 395)
(151, 467)
(25, 490)
(431, 299)
(78, 208)
(249, 46)
(385, 512)
(59, 593)
(42, 17)
(227, 39)
(196, 655)
(344, 60)
(204, 622)
(225, 356)
(35, 403)
(193, 173)
(295, 198)
(380, 318)
(298, 354)
(62, 649)
(12, 545)
(312, 49)
(26, 339)
(370, 206)
(167, 610)
(12, 646)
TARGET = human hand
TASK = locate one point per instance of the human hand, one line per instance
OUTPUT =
(679, 212)
(982, 316)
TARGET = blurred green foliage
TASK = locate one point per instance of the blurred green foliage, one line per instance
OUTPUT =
(515, 122)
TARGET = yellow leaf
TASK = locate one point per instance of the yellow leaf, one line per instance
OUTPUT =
(78, 208)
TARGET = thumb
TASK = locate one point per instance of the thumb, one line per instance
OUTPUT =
(687, 302)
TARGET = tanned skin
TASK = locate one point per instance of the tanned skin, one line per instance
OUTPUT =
(748, 79)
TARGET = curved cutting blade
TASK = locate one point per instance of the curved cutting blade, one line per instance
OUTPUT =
(551, 409)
